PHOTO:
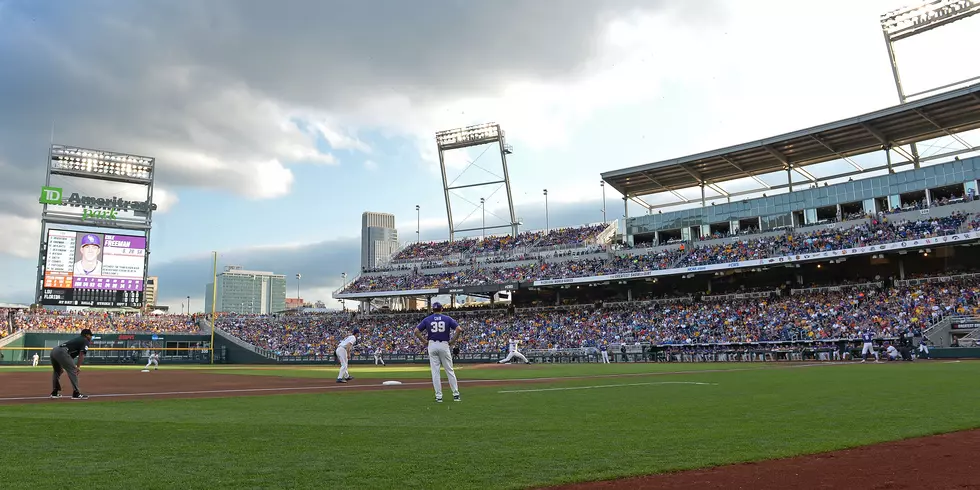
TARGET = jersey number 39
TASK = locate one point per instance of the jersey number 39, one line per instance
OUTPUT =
(437, 326)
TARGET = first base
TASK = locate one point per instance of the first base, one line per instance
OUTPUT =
(145, 371)
(390, 383)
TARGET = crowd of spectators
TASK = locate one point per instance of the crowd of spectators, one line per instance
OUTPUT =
(473, 247)
(877, 231)
(488, 274)
(53, 321)
(819, 316)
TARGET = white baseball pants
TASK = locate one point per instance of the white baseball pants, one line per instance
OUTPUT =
(441, 355)
(342, 359)
(154, 362)
(869, 349)
(605, 357)
(512, 355)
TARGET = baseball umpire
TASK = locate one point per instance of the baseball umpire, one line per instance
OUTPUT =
(62, 357)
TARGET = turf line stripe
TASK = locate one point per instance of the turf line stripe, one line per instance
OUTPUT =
(571, 388)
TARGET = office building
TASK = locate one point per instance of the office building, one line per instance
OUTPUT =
(150, 291)
(379, 239)
(247, 292)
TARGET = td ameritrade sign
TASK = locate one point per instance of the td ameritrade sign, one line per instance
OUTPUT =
(98, 208)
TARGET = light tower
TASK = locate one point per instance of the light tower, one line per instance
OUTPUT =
(458, 139)
(907, 22)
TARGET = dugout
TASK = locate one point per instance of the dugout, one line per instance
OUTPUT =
(115, 348)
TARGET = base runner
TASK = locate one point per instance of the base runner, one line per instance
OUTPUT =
(440, 332)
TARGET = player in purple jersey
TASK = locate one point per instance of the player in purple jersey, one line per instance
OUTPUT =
(868, 337)
(441, 332)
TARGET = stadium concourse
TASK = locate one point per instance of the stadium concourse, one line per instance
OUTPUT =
(579, 254)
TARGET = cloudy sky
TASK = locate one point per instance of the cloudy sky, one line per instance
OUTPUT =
(275, 124)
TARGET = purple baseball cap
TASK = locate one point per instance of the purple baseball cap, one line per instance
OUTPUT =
(437, 306)
(91, 240)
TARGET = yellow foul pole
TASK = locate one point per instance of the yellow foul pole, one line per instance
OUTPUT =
(214, 298)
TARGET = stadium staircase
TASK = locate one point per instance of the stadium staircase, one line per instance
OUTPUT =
(939, 335)
(265, 353)
(971, 339)
(11, 338)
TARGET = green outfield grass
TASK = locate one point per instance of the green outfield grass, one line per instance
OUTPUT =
(402, 439)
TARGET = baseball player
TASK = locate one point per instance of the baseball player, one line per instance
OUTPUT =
(153, 359)
(868, 337)
(377, 357)
(440, 332)
(36, 358)
(923, 348)
(89, 263)
(512, 352)
(604, 349)
(62, 356)
(342, 355)
(893, 353)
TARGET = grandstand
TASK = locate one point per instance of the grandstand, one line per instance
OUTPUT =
(847, 215)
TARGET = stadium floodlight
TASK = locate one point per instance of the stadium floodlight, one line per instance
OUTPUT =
(909, 21)
(101, 165)
(468, 136)
(460, 138)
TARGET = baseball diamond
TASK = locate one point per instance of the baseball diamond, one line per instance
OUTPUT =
(797, 311)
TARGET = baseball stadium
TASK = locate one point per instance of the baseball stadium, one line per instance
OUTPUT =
(799, 311)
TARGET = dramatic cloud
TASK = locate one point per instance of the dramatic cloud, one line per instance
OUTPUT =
(229, 93)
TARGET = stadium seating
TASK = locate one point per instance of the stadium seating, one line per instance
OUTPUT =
(48, 321)
(875, 231)
(817, 316)
(421, 253)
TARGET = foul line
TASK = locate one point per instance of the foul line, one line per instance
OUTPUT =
(570, 388)
(379, 387)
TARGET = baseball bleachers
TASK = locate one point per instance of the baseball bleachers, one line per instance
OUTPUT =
(871, 231)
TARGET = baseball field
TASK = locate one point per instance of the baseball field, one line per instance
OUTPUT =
(517, 426)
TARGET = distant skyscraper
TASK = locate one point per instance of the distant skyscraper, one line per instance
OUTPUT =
(247, 292)
(379, 239)
(150, 291)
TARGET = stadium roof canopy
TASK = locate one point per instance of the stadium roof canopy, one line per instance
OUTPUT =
(944, 114)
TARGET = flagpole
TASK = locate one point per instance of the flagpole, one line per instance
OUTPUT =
(214, 298)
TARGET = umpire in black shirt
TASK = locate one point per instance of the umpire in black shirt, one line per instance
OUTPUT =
(62, 361)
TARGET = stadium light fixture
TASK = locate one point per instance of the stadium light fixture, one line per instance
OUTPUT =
(909, 21)
(104, 165)
(547, 225)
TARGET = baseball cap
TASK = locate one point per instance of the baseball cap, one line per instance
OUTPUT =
(91, 240)
(437, 306)
(356, 330)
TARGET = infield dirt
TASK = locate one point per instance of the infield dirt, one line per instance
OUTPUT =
(942, 462)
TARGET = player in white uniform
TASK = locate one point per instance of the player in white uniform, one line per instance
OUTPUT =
(893, 353)
(154, 359)
(923, 348)
(377, 357)
(342, 356)
(36, 358)
(512, 352)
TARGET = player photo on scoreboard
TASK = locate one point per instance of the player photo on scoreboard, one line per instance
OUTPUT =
(88, 254)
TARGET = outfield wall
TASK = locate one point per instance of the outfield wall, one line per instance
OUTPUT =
(125, 348)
